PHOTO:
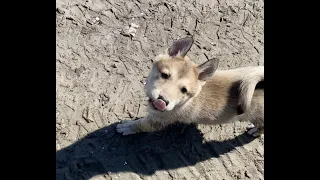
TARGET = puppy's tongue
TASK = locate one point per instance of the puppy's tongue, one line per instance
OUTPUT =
(159, 104)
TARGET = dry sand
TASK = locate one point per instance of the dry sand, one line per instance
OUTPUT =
(104, 53)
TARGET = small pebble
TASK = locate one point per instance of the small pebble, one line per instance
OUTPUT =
(247, 174)
(60, 11)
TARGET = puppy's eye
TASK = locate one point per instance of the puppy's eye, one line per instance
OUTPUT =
(184, 90)
(164, 75)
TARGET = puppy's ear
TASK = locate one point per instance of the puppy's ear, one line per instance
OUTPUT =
(207, 69)
(181, 46)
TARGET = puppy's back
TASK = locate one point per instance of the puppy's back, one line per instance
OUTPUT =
(221, 97)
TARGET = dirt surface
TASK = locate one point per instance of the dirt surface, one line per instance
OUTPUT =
(105, 50)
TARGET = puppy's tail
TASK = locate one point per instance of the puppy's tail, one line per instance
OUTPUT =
(247, 88)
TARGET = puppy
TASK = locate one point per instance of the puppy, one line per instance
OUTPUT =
(181, 91)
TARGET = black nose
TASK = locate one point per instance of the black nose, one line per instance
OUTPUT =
(162, 98)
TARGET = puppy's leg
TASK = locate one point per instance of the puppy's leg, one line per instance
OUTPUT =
(141, 125)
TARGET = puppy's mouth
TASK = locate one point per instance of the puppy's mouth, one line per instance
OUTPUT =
(158, 104)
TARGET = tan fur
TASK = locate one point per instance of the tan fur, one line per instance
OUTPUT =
(214, 101)
(247, 87)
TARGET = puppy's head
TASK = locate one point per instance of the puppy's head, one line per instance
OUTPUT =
(175, 79)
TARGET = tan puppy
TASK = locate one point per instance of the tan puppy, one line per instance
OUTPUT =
(181, 91)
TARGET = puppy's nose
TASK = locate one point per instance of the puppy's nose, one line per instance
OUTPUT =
(165, 100)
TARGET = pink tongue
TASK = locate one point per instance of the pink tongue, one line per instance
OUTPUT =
(159, 104)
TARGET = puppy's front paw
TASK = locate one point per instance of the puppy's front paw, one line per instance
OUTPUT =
(127, 128)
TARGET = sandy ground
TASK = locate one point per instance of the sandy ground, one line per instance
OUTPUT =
(104, 53)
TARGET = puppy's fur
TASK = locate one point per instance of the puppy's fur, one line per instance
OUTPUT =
(200, 93)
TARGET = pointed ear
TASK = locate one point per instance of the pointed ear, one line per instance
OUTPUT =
(181, 46)
(207, 69)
